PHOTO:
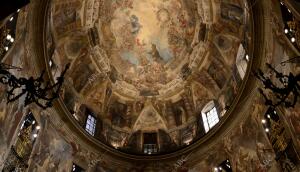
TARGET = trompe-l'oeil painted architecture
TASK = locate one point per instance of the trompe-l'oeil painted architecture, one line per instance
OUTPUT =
(152, 85)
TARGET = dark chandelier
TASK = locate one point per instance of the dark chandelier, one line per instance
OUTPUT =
(285, 90)
(35, 90)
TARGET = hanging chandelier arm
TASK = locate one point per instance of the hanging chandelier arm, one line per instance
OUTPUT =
(265, 80)
(279, 76)
(59, 79)
(268, 84)
(34, 89)
(15, 82)
(282, 100)
(43, 97)
(41, 105)
(52, 87)
(41, 93)
(15, 97)
(58, 84)
(282, 93)
(267, 100)
(291, 60)
(287, 92)
(4, 72)
(6, 67)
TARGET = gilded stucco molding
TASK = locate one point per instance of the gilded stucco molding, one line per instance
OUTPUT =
(234, 115)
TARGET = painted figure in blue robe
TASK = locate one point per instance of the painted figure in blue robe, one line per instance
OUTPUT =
(135, 25)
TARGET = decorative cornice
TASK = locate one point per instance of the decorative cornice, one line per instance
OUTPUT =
(233, 116)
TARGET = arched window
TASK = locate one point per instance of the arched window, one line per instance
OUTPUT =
(210, 116)
(242, 61)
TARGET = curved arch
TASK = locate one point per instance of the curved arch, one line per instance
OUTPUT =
(64, 114)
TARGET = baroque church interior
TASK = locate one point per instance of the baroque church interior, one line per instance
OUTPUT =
(150, 86)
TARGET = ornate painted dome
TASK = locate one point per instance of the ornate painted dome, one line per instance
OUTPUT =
(152, 85)
(149, 76)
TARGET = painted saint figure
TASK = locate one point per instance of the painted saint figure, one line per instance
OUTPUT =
(155, 54)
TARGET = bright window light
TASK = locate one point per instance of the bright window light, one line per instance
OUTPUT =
(210, 119)
(90, 126)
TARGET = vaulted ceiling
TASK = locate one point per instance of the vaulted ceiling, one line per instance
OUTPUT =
(149, 65)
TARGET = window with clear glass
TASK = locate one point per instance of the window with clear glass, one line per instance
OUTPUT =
(242, 61)
(150, 143)
(90, 125)
(150, 148)
(210, 119)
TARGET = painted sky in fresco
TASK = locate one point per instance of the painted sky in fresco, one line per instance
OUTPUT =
(148, 26)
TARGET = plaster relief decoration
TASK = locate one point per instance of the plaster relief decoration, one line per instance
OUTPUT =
(149, 120)
(163, 60)
(67, 19)
(92, 12)
(152, 85)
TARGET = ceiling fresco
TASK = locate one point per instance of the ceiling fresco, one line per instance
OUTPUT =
(148, 68)
(147, 40)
